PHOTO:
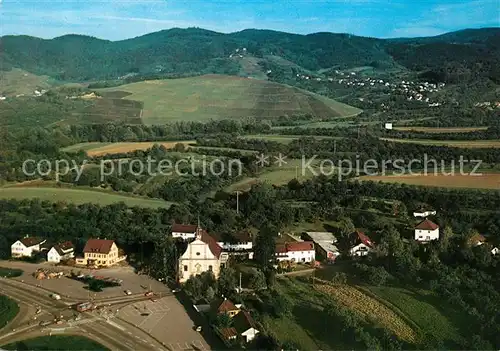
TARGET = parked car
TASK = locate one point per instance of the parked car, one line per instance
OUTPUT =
(149, 293)
(198, 328)
(128, 292)
(176, 290)
(55, 296)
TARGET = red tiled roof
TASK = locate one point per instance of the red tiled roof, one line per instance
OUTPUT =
(184, 228)
(295, 246)
(212, 244)
(31, 241)
(280, 248)
(427, 225)
(358, 237)
(226, 306)
(98, 245)
(228, 333)
(300, 246)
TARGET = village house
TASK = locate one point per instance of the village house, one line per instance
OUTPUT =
(424, 213)
(26, 246)
(242, 324)
(224, 306)
(299, 252)
(61, 252)
(100, 253)
(184, 231)
(324, 243)
(243, 327)
(476, 240)
(202, 255)
(359, 244)
(426, 231)
(236, 242)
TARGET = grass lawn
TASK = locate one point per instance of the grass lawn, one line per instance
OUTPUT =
(8, 310)
(10, 272)
(79, 196)
(277, 175)
(56, 342)
(426, 310)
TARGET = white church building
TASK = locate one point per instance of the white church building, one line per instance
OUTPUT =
(202, 254)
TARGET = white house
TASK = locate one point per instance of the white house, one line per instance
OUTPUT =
(202, 255)
(241, 241)
(495, 251)
(388, 126)
(184, 231)
(424, 213)
(300, 252)
(26, 246)
(426, 231)
(360, 244)
(61, 252)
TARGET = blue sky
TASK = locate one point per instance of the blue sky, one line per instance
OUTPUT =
(121, 19)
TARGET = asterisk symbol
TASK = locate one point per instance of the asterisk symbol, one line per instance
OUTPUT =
(262, 160)
(280, 159)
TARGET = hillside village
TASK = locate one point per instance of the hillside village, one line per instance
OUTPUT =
(205, 254)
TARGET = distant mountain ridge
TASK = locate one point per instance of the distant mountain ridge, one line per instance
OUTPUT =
(473, 53)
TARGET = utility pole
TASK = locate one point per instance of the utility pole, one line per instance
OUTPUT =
(240, 283)
(237, 202)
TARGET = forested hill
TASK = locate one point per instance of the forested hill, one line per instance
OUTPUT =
(471, 53)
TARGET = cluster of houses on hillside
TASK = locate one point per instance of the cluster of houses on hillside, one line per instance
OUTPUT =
(413, 91)
(210, 252)
(242, 324)
(96, 253)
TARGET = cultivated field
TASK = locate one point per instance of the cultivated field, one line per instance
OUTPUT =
(371, 309)
(469, 144)
(99, 149)
(79, 196)
(484, 181)
(426, 310)
(221, 97)
(440, 130)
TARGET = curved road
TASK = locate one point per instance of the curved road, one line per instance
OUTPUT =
(99, 326)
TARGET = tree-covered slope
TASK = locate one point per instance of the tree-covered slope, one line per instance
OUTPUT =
(199, 51)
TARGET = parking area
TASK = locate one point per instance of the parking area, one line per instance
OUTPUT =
(167, 321)
(67, 287)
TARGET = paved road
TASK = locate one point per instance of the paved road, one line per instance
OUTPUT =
(111, 332)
